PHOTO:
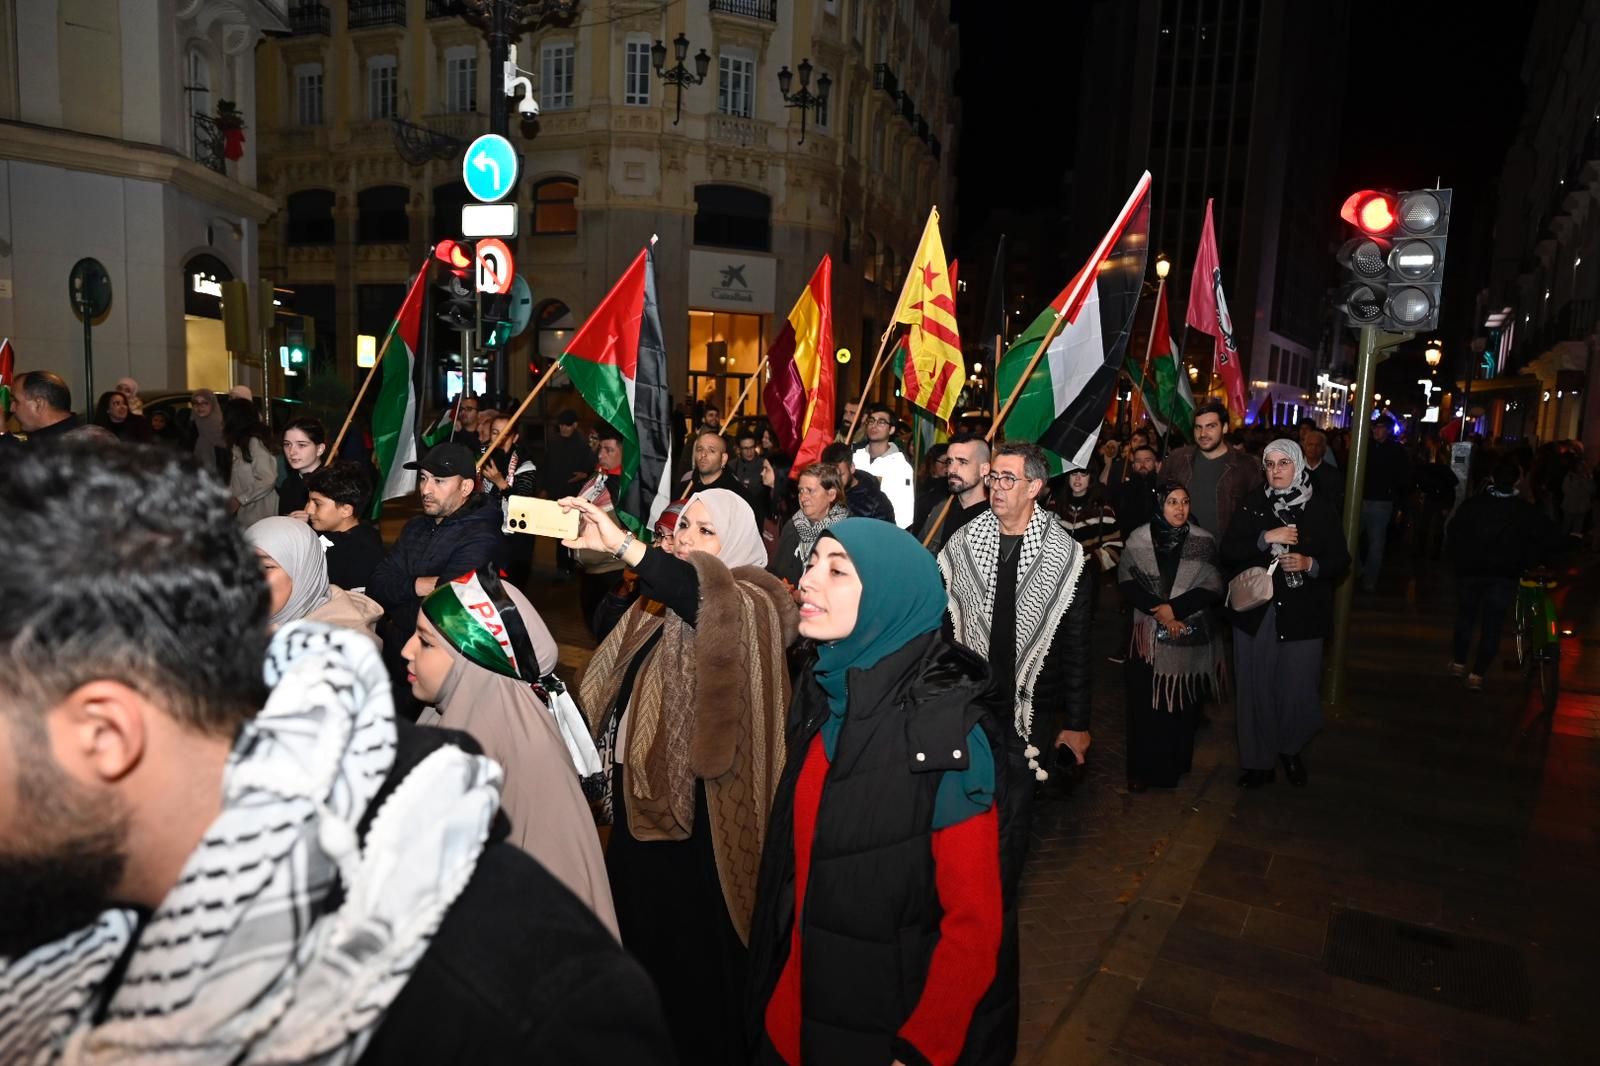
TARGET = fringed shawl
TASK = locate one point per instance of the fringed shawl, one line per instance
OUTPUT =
(1181, 671)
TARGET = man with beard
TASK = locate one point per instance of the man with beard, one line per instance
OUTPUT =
(1136, 500)
(711, 472)
(1217, 476)
(191, 866)
(967, 464)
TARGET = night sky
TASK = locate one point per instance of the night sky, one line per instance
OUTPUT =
(1020, 88)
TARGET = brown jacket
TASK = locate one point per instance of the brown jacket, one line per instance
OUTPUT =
(1240, 477)
(352, 610)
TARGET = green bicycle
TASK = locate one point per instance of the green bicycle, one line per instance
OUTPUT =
(1539, 634)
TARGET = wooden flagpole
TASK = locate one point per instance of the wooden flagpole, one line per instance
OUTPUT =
(376, 363)
(866, 390)
(1144, 371)
(516, 416)
(727, 423)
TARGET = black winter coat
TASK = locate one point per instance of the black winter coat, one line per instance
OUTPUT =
(871, 914)
(519, 972)
(1305, 613)
(866, 499)
(461, 543)
(1064, 686)
(1494, 536)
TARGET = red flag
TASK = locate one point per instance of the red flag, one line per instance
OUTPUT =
(799, 396)
(7, 371)
(1208, 313)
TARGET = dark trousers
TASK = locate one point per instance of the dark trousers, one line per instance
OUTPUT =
(1482, 601)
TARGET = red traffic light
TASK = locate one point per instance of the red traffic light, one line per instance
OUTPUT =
(453, 255)
(1371, 211)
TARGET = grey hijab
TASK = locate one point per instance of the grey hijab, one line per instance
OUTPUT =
(297, 551)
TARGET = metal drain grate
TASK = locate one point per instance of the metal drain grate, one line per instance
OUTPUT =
(1459, 971)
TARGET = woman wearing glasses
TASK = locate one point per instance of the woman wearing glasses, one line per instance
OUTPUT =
(821, 505)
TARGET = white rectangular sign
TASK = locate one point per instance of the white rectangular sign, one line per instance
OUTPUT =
(489, 220)
(732, 281)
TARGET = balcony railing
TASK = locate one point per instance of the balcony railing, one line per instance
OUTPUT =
(208, 144)
(309, 20)
(883, 78)
(766, 10)
(445, 9)
(364, 13)
(743, 132)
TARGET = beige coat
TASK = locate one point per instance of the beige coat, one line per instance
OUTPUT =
(352, 610)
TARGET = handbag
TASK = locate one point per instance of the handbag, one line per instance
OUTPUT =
(1251, 587)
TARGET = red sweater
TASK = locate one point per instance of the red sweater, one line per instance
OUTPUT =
(966, 859)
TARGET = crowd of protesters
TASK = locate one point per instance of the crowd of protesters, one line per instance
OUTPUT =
(824, 703)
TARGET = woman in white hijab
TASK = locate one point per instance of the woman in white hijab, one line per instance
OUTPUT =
(292, 559)
(477, 659)
(687, 699)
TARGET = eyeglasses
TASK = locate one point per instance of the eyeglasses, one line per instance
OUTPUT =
(805, 491)
(1005, 481)
(880, 421)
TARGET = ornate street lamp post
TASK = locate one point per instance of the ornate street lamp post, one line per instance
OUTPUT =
(679, 74)
(805, 100)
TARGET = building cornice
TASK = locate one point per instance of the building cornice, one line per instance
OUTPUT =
(24, 142)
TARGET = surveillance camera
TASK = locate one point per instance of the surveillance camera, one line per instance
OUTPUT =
(528, 107)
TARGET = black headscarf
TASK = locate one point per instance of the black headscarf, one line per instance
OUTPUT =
(1167, 537)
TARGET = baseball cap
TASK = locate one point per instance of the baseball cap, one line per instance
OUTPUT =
(447, 460)
(567, 418)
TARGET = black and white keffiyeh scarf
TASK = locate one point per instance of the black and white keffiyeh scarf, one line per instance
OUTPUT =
(809, 531)
(1047, 576)
(237, 964)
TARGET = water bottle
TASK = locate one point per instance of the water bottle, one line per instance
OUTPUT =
(1296, 578)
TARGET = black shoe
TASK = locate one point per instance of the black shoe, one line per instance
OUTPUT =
(1256, 778)
(1294, 769)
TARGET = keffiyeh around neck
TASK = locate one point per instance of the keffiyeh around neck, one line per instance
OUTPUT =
(809, 531)
(241, 963)
(1286, 502)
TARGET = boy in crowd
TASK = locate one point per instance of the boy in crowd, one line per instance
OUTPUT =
(338, 497)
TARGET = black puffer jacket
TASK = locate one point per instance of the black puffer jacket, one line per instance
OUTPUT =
(866, 499)
(460, 544)
(871, 914)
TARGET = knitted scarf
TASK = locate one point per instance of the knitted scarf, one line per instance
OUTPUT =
(1181, 671)
(809, 531)
(1047, 576)
(240, 963)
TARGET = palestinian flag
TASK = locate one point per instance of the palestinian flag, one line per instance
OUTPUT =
(8, 370)
(394, 416)
(799, 394)
(618, 361)
(1063, 402)
(1167, 397)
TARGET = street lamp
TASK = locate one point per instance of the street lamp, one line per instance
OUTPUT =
(1163, 266)
(1434, 354)
(805, 99)
(679, 74)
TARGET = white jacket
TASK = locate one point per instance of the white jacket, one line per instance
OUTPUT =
(897, 479)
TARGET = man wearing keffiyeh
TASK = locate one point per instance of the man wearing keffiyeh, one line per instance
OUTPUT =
(218, 850)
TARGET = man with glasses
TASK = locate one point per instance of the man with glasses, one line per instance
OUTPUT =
(888, 464)
(1019, 597)
(966, 466)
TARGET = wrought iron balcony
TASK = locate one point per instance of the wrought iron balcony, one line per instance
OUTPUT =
(445, 9)
(766, 10)
(309, 19)
(365, 13)
(208, 144)
(883, 78)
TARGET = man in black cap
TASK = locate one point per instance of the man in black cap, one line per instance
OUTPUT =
(457, 532)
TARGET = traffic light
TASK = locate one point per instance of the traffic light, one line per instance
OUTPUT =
(297, 336)
(460, 308)
(496, 320)
(1394, 270)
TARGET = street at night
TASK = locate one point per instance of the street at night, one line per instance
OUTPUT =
(798, 532)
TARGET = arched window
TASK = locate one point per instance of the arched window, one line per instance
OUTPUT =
(727, 216)
(310, 217)
(554, 324)
(381, 215)
(555, 207)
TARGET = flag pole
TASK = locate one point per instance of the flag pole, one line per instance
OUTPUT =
(866, 390)
(376, 363)
(1144, 370)
(516, 416)
(1011, 401)
(727, 423)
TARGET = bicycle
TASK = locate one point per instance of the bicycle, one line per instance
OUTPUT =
(1539, 634)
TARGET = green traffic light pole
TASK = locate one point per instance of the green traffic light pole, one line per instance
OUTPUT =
(1375, 345)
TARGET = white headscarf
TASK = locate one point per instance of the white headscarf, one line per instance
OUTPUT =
(298, 553)
(1296, 495)
(736, 527)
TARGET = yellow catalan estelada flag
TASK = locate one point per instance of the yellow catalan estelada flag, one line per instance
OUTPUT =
(935, 372)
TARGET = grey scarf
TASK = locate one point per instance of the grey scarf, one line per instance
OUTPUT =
(237, 964)
(1181, 670)
(809, 531)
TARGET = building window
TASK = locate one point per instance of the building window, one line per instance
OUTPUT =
(869, 259)
(736, 85)
(381, 216)
(309, 217)
(198, 85)
(727, 216)
(557, 76)
(308, 94)
(555, 207)
(824, 107)
(636, 73)
(383, 86)
(461, 79)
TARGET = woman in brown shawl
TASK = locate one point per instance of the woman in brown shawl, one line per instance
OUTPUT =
(687, 699)
(479, 650)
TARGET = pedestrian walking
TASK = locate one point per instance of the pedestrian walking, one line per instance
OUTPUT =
(1277, 646)
(1169, 574)
(252, 469)
(1388, 479)
(686, 701)
(206, 434)
(884, 930)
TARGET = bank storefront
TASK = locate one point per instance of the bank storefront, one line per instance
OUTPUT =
(731, 301)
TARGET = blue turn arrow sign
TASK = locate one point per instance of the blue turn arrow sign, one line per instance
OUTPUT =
(489, 168)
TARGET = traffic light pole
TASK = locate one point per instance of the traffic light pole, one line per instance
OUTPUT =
(1373, 342)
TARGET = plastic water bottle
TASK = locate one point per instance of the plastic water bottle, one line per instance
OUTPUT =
(1294, 579)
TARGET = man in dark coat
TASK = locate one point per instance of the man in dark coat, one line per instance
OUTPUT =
(568, 459)
(457, 532)
(1218, 476)
(43, 406)
(1388, 480)
(199, 837)
(966, 465)
(863, 495)
(1136, 497)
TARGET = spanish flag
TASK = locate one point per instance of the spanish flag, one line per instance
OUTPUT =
(799, 394)
(935, 371)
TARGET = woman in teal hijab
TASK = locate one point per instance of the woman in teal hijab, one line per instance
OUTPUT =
(885, 832)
